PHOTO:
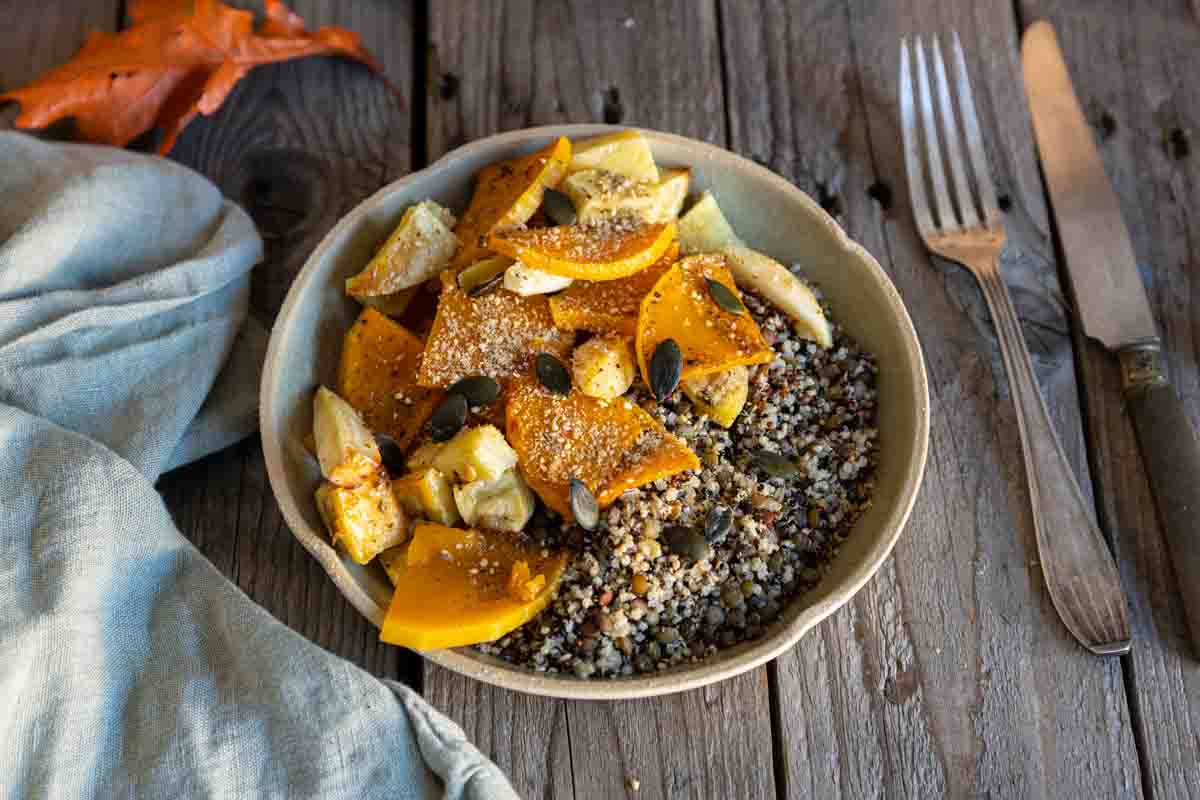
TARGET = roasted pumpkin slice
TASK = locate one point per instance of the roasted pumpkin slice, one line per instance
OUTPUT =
(463, 587)
(507, 194)
(602, 249)
(610, 445)
(378, 377)
(609, 306)
(681, 307)
(496, 334)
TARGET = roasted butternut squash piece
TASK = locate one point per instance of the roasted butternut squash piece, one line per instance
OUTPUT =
(378, 376)
(463, 587)
(496, 334)
(610, 445)
(609, 306)
(603, 249)
(681, 307)
(507, 194)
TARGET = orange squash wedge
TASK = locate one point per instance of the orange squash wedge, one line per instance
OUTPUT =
(496, 334)
(604, 249)
(609, 306)
(610, 445)
(378, 376)
(507, 194)
(462, 587)
(680, 307)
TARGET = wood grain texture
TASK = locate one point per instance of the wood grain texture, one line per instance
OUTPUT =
(298, 145)
(508, 65)
(1134, 68)
(40, 36)
(950, 673)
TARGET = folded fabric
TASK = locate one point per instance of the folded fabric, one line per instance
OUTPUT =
(130, 667)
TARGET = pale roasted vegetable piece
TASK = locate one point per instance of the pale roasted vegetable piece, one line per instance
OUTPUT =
(505, 504)
(365, 520)
(704, 229)
(598, 192)
(604, 366)
(420, 247)
(423, 456)
(394, 561)
(765, 276)
(426, 493)
(393, 305)
(479, 453)
(526, 281)
(626, 153)
(720, 395)
(346, 449)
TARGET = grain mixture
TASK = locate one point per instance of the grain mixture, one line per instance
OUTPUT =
(635, 600)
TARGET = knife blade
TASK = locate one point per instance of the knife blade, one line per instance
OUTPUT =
(1112, 303)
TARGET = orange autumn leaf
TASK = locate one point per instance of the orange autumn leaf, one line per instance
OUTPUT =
(179, 58)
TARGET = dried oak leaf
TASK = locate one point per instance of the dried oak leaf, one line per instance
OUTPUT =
(177, 59)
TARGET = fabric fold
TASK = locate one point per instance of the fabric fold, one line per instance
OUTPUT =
(129, 666)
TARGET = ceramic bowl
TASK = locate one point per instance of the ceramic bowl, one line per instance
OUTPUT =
(772, 215)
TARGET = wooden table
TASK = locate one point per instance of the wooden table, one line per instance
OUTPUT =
(949, 673)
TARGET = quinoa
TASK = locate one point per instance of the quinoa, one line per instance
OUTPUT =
(627, 605)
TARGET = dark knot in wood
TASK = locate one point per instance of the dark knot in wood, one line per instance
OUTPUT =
(283, 190)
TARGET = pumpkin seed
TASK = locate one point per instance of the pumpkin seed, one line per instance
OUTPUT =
(687, 542)
(559, 207)
(775, 465)
(584, 506)
(482, 275)
(391, 454)
(666, 365)
(486, 285)
(449, 418)
(724, 297)
(479, 390)
(552, 373)
(718, 524)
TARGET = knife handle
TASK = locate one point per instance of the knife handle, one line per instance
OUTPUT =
(1172, 458)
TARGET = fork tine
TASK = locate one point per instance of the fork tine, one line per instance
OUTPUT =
(933, 151)
(979, 164)
(912, 153)
(950, 132)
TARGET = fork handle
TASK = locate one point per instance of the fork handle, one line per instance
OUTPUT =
(1080, 573)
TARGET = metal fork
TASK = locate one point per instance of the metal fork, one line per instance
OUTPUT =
(965, 226)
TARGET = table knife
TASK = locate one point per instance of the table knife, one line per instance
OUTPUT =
(1112, 303)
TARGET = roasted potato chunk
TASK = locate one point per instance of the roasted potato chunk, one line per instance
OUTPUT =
(365, 520)
(346, 449)
(604, 366)
(504, 504)
(426, 494)
(720, 395)
(420, 248)
(475, 454)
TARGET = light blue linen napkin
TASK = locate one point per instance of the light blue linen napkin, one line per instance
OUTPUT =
(129, 666)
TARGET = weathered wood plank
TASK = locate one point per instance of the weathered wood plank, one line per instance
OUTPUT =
(507, 65)
(1134, 66)
(949, 674)
(297, 144)
(40, 36)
